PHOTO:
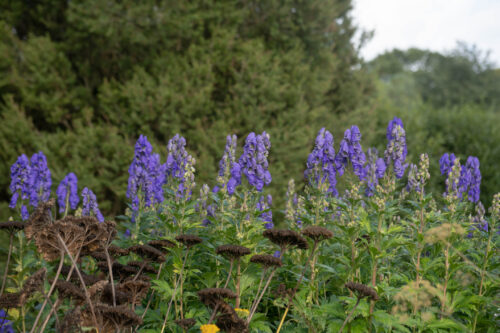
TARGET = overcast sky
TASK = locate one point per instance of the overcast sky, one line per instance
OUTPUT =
(429, 24)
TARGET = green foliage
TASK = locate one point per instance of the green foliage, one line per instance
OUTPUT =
(202, 69)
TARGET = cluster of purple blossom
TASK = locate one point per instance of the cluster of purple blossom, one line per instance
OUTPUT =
(470, 176)
(264, 204)
(323, 165)
(31, 179)
(252, 163)
(5, 324)
(31, 184)
(226, 166)
(147, 176)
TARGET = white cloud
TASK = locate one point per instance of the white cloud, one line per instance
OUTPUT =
(429, 24)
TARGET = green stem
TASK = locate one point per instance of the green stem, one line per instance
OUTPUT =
(349, 316)
(483, 272)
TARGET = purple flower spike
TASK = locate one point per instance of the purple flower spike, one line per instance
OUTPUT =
(320, 166)
(90, 205)
(146, 175)
(226, 166)
(396, 150)
(40, 179)
(266, 217)
(252, 163)
(177, 156)
(446, 162)
(472, 167)
(20, 180)
(67, 191)
(350, 150)
(5, 324)
(374, 170)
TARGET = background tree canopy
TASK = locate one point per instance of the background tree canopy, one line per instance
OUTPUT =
(81, 80)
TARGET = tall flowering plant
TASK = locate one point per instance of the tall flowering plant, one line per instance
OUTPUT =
(67, 193)
(396, 151)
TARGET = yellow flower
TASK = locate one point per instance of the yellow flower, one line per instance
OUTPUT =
(209, 328)
(242, 312)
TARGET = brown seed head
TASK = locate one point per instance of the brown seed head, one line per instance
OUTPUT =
(211, 296)
(232, 324)
(136, 290)
(285, 238)
(186, 324)
(162, 245)
(99, 256)
(148, 268)
(316, 233)
(35, 282)
(117, 251)
(147, 251)
(361, 290)
(121, 296)
(11, 300)
(188, 240)
(72, 321)
(118, 316)
(69, 290)
(266, 260)
(40, 218)
(88, 279)
(12, 226)
(119, 271)
(47, 239)
(94, 231)
(232, 251)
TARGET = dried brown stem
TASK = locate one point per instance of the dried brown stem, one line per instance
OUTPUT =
(87, 296)
(4, 280)
(52, 287)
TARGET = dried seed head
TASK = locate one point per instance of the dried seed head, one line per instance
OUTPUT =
(266, 260)
(285, 238)
(96, 289)
(47, 239)
(188, 240)
(119, 271)
(69, 290)
(232, 324)
(186, 324)
(72, 321)
(147, 251)
(162, 245)
(40, 218)
(35, 282)
(136, 290)
(118, 316)
(117, 251)
(148, 268)
(121, 297)
(316, 233)
(362, 291)
(211, 296)
(11, 300)
(88, 279)
(99, 256)
(94, 231)
(232, 251)
(282, 291)
(12, 226)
